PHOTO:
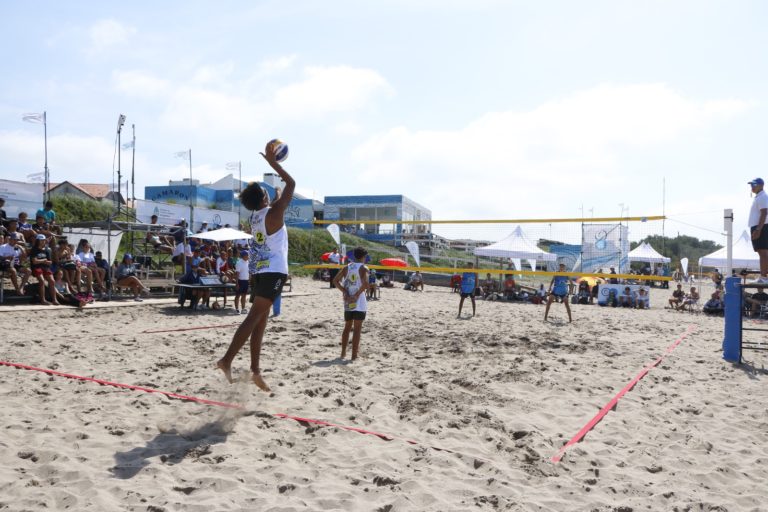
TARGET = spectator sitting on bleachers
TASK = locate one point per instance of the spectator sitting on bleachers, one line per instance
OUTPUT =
(182, 254)
(65, 262)
(126, 278)
(714, 306)
(104, 265)
(642, 301)
(40, 261)
(26, 228)
(94, 272)
(10, 261)
(160, 243)
(40, 227)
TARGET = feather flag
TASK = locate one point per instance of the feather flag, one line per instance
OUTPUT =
(182, 154)
(34, 117)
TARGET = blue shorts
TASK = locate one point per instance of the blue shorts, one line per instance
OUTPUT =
(242, 286)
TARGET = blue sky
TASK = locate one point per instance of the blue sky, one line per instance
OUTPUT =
(476, 109)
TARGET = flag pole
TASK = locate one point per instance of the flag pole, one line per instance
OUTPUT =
(191, 207)
(46, 193)
(133, 168)
(240, 191)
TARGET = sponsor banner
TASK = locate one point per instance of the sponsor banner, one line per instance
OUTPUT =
(21, 197)
(604, 246)
(171, 214)
(98, 238)
(605, 290)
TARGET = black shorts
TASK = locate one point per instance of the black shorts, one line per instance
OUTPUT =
(354, 315)
(762, 241)
(267, 285)
(242, 286)
(5, 265)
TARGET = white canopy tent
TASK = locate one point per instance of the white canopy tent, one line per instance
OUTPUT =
(223, 235)
(743, 255)
(644, 252)
(515, 246)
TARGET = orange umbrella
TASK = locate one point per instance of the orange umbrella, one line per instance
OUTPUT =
(393, 262)
(591, 281)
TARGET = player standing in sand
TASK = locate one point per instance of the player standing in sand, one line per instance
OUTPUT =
(268, 266)
(352, 281)
(558, 287)
(468, 284)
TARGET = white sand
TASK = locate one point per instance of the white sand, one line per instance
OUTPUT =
(502, 391)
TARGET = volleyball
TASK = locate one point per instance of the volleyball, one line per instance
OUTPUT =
(280, 148)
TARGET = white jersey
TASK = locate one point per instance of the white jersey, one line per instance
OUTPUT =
(352, 283)
(269, 253)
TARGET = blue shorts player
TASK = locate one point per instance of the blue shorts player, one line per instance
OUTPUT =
(468, 284)
(558, 288)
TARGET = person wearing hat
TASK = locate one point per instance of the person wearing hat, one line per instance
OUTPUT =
(757, 217)
(243, 276)
(126, 278)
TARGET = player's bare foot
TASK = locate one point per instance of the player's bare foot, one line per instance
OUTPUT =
(45, 303)
(226, 369)
(256, 378)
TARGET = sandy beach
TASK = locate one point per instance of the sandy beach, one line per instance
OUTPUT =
(487, 401)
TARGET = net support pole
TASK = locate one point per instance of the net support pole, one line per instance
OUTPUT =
(732, 329)
(733, 297)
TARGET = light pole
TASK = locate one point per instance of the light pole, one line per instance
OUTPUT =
(120, 123)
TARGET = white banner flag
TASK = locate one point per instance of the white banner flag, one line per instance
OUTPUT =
(333, 229)
(182, 154)
(33, 117)
(413, 248)
(128, 145)
(232, 166)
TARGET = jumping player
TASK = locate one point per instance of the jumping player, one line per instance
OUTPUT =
(468, 284)
(558, 287)
(352, 281)
(268, 266)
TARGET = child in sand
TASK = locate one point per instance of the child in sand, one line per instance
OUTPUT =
(268, 266)
(468, 284)
(352, 281)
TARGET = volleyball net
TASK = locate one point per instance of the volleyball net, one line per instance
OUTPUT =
(532, 248)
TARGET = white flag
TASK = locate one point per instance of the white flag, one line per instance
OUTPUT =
(128, 145)
(333, 229)
(233, 166)
(34, 117)
(36, 176)
(413, 248)
(182, 154)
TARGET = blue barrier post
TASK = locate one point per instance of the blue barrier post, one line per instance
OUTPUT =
(733, 307)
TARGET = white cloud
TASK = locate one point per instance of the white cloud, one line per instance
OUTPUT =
(108, 33)
(139, 84)
(321, 92)
(277, 65)
(528, 164)
(330, 89)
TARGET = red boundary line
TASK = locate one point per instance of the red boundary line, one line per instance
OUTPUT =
(615, 400)
(385, 437)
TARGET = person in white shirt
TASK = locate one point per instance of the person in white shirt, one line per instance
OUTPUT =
(179, 252)
(268, 266)
(243, 275)
(757, 217)
(10, 255)
(352, 282)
